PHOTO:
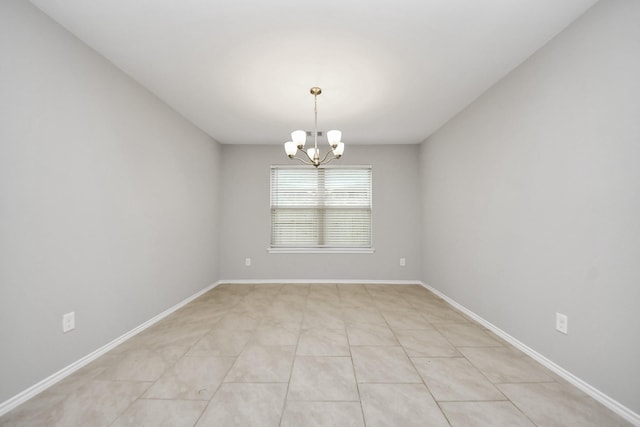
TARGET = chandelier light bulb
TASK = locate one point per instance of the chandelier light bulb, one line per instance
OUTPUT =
(299, 137)
(338, 150)
(334, 137)
(290, 148)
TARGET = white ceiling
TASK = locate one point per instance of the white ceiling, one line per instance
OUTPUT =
(392, 72)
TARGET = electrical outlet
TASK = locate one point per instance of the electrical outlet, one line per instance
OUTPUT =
(562, 323)
(68, 321)
(403, 262)
(247, 262)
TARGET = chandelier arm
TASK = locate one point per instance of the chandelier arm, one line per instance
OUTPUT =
(333, 158)
(327, 155)
(308, 157)
(302, 160)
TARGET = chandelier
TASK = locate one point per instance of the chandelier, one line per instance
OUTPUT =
(299, 137)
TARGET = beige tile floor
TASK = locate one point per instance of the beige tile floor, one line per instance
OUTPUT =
(313, 355)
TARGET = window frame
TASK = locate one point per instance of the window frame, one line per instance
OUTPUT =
(320, 248)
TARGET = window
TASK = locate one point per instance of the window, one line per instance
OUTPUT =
(325, 209)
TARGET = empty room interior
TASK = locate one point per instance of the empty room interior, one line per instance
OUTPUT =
(185, 242)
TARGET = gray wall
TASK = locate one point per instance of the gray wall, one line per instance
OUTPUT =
(108, 200)
(246, 218)
(531, 201)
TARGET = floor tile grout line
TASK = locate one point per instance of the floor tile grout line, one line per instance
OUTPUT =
(353, 368)
(204, 410)
(293, 362)
(222, 381)
(444, 414)
(482, 373)
(116, 417)
(424, 382)
(524, 356)
(469, 361)
(215, 392)
(151, 384)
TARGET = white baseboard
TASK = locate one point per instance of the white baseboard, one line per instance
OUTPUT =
(607, 401)
(35, 389)
(319, 281)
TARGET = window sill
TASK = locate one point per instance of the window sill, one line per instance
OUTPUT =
(321, 250)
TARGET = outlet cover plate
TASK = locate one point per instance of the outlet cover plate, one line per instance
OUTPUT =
(562, 323)
(68, 321)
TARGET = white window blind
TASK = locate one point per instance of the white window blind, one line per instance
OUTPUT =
(321, 208)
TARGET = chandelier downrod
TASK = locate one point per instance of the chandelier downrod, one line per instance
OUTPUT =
(298, 139)
(315, 91)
